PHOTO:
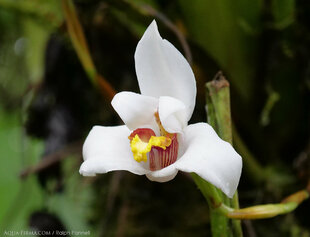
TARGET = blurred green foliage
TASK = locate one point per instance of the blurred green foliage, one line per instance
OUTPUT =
(18, 198)
(217, 27)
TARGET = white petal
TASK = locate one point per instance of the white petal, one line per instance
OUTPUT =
(163, 71)
(107, 149)
(211, 158)
(164, 175)
(135, 110)
(172, 114)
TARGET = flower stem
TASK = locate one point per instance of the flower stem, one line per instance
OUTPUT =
(219, 222)
(218, 97)
(289, 204)
(219, 116)
(225, 214)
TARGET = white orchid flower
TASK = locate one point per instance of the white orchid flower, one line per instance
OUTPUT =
(156, 140)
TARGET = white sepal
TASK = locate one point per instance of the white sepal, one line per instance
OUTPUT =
(107, 149)
(210, 157)
(163, 71)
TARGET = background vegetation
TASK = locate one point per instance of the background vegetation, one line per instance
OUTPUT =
(48, 104)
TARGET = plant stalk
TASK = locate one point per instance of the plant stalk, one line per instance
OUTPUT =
(219, 117)
(79, 42)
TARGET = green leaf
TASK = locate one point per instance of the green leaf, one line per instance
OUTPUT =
(283, 13)
(72, 205)
(218, 27)
(19, 198)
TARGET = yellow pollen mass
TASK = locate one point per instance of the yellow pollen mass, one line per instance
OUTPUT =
(140, 148)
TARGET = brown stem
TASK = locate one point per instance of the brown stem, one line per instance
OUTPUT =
(79, 41)
(51, 159)
(105, 88)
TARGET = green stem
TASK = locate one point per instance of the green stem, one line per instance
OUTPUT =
(289, 204)
(214, 197)
(218, 99)
(219, 117)
(225, 214)
(236, 224)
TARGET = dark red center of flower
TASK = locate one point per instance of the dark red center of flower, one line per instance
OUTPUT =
(162, 150)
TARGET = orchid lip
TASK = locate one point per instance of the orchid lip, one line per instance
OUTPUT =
(161, 158)
(162, 151)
